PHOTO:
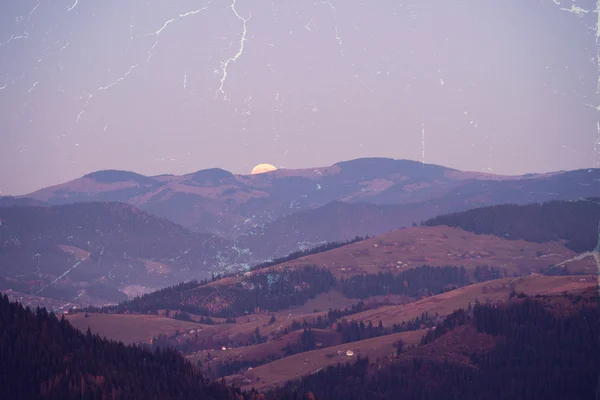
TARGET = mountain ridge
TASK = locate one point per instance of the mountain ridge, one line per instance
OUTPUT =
(240, 206)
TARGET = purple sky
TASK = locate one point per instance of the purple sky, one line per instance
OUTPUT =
(506, 87)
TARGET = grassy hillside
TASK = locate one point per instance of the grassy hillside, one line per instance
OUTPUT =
(521, 350)
(484, 292)
(436, 245)
(130, 328)
(278, 372)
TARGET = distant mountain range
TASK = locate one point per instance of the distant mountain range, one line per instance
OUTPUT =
(285, 210)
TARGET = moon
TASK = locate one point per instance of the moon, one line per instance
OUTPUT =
(262, 168)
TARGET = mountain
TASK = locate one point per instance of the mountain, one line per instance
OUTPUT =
(100, 252)
(238, 206)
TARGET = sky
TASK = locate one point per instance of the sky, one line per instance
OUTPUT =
(161, 87)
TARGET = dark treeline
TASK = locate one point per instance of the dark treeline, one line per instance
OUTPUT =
(44, 357)
(486, 273)
(538, 355)
(457, 318)
(258, 292)
(424, 321)
(303, 253)
(416, 282)
(573, 221)
(231, 367)
(354, 331)
(277, 290)
(324, 322)
(560, 270)
(166, 295)
(282, 289)
(184, 316)
(307, 342)
(162, 295)
(158, 297)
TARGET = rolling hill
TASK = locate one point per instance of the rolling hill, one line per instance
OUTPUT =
(518, 350)
(437, 245)
(494, 292)
(277, 373)
(484, 292)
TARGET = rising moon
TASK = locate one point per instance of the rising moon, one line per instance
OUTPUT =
(262, 168)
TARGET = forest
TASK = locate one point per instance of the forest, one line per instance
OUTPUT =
(538, 354)
(163, 297)
(415, 282)
(303, 253)
(279, 290)
(576, 222)
(45, 357)
(270, 291)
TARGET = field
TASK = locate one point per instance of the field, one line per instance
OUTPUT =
(269, 350)
(491, 291)
(298, 365)
(130, 328)
(135, 328)
(278, 372)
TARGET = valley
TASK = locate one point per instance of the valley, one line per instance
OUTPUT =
(299, 295)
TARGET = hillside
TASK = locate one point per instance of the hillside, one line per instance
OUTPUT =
(521, 350)
(274, 366)
(493, 292)
(130, 328)
(575, 222)
(94, 253)
(43, 357)
(412, 262)
(277, 373)
(485, 292)
(438, 246)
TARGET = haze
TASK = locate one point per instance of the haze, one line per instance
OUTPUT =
(504, 87)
